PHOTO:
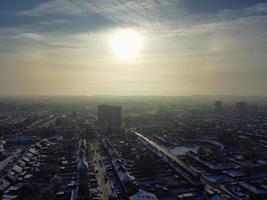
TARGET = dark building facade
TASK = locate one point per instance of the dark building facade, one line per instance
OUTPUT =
(109, 116)
(217, 106)
(241, 108)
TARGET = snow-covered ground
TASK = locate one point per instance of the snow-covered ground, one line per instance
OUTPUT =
(181, 150)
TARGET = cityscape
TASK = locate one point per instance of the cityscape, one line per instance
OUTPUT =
(132, 150)
(133, 100)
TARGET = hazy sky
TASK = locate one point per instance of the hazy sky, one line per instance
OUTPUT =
(62, 47)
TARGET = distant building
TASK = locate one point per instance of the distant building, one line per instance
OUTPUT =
(241, 108)
(115, 116)
(103, 115)
(109, 116)
(217, 106)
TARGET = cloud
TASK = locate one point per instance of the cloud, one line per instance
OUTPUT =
(57, 7)
(227, 23)
(214, 6)
(151, 13)
(184, 44)
(30, 36)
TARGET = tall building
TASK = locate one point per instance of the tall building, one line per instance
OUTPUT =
(115, 116)
(241, 108)
(217, 106)
(109, 116)
(103, 115)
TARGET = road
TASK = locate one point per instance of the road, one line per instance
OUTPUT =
(105, 189)
(168, 154)
(165, 151)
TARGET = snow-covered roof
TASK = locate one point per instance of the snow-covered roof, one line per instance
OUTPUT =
(124, 177)
(143, 195)
(82, 165)
(4, 184)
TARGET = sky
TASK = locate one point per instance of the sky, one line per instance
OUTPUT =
(189, 47)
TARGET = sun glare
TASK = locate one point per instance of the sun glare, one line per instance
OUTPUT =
(127, 44)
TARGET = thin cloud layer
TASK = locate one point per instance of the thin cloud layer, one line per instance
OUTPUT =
(212, 47)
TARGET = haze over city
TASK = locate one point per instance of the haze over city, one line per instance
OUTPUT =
(133, 100)
(150, 47)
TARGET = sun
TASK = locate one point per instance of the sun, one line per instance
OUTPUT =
(127, 44)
